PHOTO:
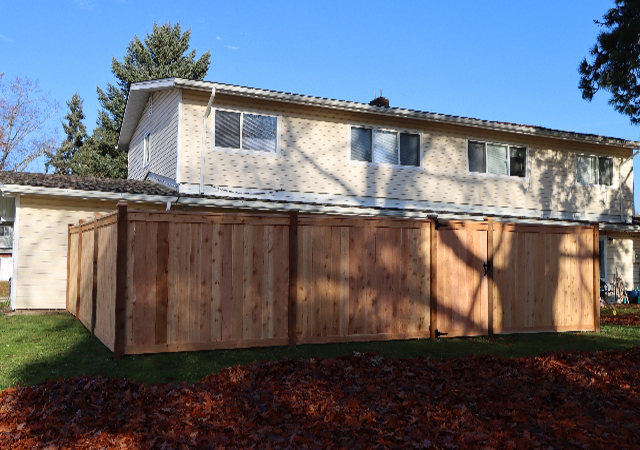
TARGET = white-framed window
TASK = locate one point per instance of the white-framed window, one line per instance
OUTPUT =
(592, 169)
(150, 106)
(146, 149)
(246, 131)
(382, 146)
(496, 158)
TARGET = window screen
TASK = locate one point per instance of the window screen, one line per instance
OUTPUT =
(518, 161)
(259, 133)
(477, 161)
(385, 147)
(586, 170)
(605, 166)
(409, 149)
(361, 144)
(497, 159)
(227, 129)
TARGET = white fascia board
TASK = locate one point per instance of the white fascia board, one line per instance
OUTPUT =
(373, 205)
(14, 189)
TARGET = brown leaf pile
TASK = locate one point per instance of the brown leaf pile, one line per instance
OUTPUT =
(628, 315)
(568, 400)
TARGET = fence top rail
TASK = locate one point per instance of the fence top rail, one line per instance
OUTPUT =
(543, 229)
(349, 221)
(107, 217)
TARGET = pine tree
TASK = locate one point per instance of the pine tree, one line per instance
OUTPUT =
(163, 54)
(615, 65)
(64, 159)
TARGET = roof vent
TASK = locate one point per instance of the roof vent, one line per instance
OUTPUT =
(379, 101)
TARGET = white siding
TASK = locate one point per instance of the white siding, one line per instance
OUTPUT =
(315, 159)
(163, 128)
(42, 247)
(620, 256)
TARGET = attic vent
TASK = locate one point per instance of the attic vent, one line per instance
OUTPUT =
(379, 101)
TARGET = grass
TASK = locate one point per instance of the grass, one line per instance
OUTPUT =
(37, 348)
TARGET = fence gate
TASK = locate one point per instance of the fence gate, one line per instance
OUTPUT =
(462, 287)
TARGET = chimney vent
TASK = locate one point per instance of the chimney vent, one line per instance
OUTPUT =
(379, 101)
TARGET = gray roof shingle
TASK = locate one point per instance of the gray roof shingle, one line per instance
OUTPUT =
(85, 183)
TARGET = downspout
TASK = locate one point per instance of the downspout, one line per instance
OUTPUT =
(204, 138)
(620, 182)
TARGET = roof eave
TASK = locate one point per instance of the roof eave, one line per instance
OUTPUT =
(136, 100)
(139, 94)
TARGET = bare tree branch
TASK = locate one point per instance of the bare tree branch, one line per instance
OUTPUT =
(23, 113)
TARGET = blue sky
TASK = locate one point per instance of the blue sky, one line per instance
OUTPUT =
(498, 60)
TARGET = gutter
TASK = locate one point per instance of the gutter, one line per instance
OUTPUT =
(16, 189)
(620, 182)
(204, 137)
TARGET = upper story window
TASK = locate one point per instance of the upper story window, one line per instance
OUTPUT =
(497, 159)
(246, 131)
(150, 106)
(384, 146)
(594, 170)
(146, 149)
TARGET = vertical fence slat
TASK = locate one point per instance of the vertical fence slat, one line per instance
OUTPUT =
(94, 288)
(121, 281)
(69, 256)
(292, 301)
(490, 275)
(596, 276)
(79, 269)
(162, 290)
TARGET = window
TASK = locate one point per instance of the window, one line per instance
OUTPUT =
(246, 131)
(497, 158)
(150, 106)
(384, 146)
(146, 149)
(594, 170)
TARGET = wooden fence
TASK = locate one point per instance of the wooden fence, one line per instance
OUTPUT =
(174, 281)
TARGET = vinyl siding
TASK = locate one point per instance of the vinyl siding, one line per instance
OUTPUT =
(315, 159)
(42, 247)
(620, 256)
(163, 127)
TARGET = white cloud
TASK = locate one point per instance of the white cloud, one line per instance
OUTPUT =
(5, 39)
(231, 47)
(218, 38)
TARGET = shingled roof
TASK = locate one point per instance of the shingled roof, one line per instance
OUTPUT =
(85, 183)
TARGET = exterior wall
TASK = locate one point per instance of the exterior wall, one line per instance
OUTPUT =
(315, 159)
(42, 247)
(621, 256)
(163, 126)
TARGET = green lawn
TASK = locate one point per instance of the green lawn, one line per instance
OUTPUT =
(35, 348)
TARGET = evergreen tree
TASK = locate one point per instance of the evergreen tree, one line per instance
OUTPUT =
(163, 54)
(615, 65)
(65, 158)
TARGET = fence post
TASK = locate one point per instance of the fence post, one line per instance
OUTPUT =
(68, 261)
(596, 276)
(293, 278)
(433, 277)
(490, 275)
(94, 290)
(121, 281)
(80, 222)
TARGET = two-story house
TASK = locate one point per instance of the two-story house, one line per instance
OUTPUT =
(197, 144)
